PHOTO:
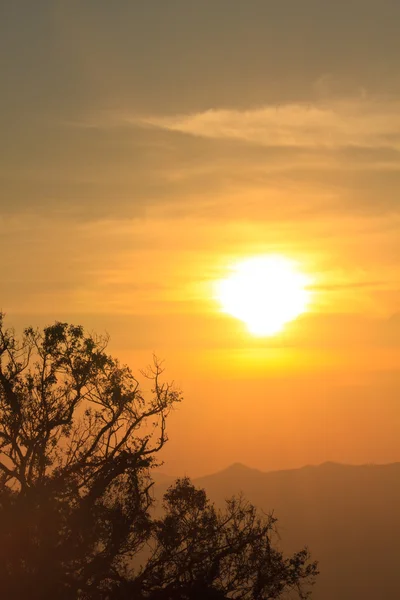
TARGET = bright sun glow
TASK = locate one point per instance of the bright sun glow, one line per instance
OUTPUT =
(265, 292)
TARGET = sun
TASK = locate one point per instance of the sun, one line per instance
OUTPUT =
(265, 292)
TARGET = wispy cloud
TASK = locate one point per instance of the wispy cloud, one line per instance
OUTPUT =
(360, 123)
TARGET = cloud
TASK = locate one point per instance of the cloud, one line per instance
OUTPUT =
(273, 163)
(359, 123)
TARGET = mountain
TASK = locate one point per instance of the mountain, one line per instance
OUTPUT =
(348, 516)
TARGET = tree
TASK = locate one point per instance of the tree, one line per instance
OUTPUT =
(199, 552)
(78, 440)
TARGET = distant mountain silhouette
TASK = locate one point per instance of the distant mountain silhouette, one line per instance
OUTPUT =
(349, 517)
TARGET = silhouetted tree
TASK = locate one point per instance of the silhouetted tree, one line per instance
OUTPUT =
(78, 439)
(199, 552)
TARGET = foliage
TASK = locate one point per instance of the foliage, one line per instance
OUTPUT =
(198, 549)
(78, 439)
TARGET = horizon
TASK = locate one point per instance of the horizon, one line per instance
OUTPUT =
(242, 466)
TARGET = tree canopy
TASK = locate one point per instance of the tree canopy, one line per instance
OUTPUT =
(78, 440)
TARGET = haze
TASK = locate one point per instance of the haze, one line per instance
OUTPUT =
(148, 146)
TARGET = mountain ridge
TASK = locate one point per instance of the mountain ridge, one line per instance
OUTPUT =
(348, 515)
(241, 467)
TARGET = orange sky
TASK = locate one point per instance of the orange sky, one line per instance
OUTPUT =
(147, 149)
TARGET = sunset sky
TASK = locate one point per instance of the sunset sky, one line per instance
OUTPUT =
(149, 146)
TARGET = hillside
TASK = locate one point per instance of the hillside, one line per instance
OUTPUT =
(349, 517)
